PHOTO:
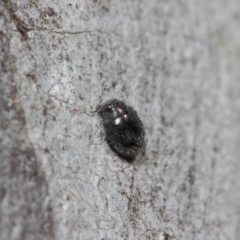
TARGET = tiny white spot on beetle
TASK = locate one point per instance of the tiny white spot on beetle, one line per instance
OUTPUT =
(119, 110)
(118, 121)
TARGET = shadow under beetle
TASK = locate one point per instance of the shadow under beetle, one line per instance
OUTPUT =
(123, 128)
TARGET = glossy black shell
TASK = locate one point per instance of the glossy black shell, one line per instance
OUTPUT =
(123, 127)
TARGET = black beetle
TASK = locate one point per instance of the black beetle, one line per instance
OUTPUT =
(123, 127)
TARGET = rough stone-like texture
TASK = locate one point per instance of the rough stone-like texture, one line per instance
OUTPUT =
(25, 211)
(176, 62)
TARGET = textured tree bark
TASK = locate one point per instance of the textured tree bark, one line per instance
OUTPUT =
(176, 62)
(25, 212)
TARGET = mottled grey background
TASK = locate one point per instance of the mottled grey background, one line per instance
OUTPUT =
(176, 62)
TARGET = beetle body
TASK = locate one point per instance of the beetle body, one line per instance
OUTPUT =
(123, 127)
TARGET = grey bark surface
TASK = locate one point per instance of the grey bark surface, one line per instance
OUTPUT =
(176, 63)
